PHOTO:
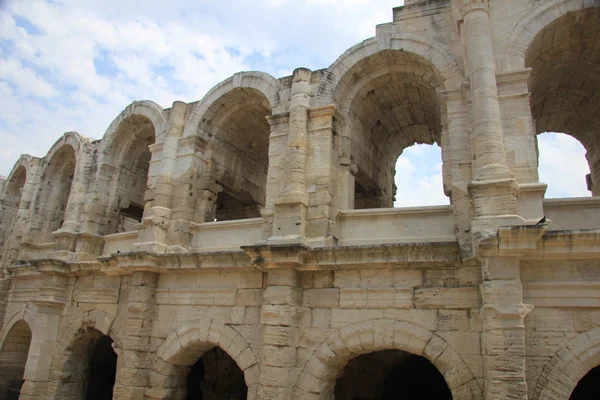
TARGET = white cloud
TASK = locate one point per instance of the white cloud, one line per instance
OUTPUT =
(562, 165)
(419, 177)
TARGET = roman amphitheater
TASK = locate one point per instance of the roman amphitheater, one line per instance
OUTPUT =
(245, 245)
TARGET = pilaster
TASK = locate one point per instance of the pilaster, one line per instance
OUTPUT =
(282, 300)
(503, 311)
(49, 303)
(289, 224)
(157, 212)
(322, 178)
(134, 358)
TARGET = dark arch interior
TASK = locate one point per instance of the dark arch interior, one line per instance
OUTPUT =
(216, 376)
(391, 374)
(391, 103)
(90, 369)
(565, 82)
(13, 357)
(131, 162)
(238, 130)
(588, 387)
(102, 370)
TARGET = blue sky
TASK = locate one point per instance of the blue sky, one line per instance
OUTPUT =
(73, 65)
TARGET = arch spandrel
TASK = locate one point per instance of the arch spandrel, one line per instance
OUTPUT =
(260, 81)
(435, 53)
(531, 24)
(318, 376)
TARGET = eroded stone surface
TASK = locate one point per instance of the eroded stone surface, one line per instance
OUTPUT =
(240, 245)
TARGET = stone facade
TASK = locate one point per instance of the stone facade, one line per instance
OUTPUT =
(242, 246)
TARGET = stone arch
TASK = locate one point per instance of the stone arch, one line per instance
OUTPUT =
(568, 366)
(93, 319)
(22, 315)
(184, 346)
(52, 197)
(11, 197)
(558, 48)
(72, 349)
(73, 139)
(142, 108)
(388, 94)
(532, 23)
(231, 121)
(436, 53)
(14, 352)
(123, 169)
(317, 378)
(22, 164)
(260, 81)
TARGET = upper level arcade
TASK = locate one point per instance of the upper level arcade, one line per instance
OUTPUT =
(311, 158)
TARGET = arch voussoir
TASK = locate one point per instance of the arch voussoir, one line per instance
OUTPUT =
(184, 346)
(569, 365)
(317, 378)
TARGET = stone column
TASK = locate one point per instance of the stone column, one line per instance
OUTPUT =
(133, 362)
(290, 207)
(493, 188)
(281, 301)
(161, 176)
(503, 314)
(49, 305)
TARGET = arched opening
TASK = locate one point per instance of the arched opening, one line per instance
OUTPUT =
(418, 177)
(10, 203)
(588, 387)
(53, 195)
(569, 178)
(216, 376)
(14, 186)
(391, 374)
(90, 369)
(236, 179)
(565, 83)
(13, 357)
(125, 174)
(390, 102)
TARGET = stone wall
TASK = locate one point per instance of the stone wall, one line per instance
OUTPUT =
(117, 280)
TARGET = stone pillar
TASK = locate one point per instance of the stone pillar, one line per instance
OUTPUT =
(192, 199)
(49, 306)
(503, 314)
(460, 165)
(281, 301)
(493, 188)
(134, 360)
(322, 188)
(157, 213)
(291, 205)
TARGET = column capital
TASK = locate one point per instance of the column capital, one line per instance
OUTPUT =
(470, 5)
